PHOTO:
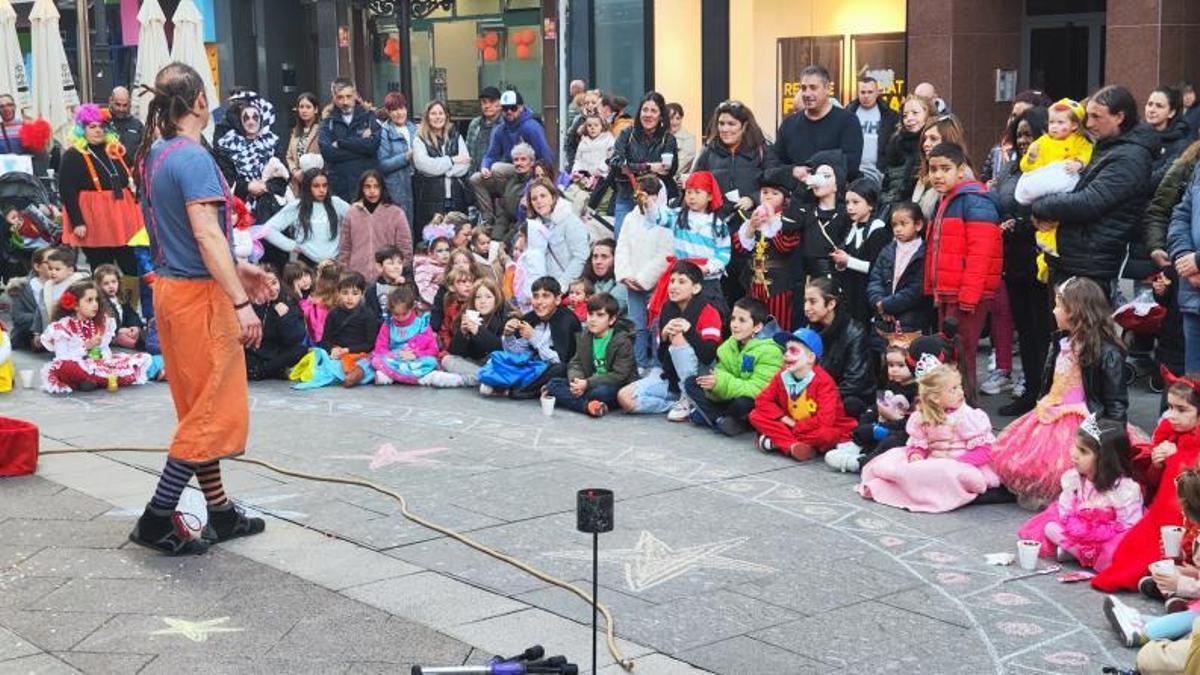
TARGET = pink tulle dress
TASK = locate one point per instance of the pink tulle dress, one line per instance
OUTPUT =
(1034, 451)
(1085, 522)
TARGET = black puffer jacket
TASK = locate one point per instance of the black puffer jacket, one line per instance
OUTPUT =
(845, 357)
(638, 150)
(739, 171)
(1104, 388)
(1173, 141)
(901, 165)
(1020, 246)
(1103, 214)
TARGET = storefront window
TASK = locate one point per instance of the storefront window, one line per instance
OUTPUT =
(619, 42)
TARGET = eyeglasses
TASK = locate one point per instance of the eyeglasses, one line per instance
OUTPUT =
(509, 108)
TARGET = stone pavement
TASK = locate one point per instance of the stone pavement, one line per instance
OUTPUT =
(722, 558)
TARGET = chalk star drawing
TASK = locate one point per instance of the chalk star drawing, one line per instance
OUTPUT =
(652, 561)
(387, 455)
(196, 631)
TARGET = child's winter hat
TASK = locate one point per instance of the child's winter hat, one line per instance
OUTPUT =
(806, 336)
(704, 180)
(1071, 106)
(780, 178)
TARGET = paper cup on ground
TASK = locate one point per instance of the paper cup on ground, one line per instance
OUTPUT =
(547, 405)
(1165, 568)
(1027, 553)
(27, 378)
(1172, 537)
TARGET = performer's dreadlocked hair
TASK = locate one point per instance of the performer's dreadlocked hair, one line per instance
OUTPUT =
(175, 90)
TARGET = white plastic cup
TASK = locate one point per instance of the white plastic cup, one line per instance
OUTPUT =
(27, 378)
(548, 405)
(473, 315)
(1172, 538)
(1027, 553)
(1164, 568)
(667, 158)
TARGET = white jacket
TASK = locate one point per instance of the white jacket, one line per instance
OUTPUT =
(642, 250)
(556, 246)
(592, 154)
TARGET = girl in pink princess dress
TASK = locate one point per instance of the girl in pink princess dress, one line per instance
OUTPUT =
(945, 464)
(1098, 504)
(1034, 451)
(79, 339)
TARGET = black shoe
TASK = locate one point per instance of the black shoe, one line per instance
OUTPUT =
(163, 531)
(1017, 407)
(87, 385)
(730, 425)
(1176, 604)
(230, 523)
(1148, 588)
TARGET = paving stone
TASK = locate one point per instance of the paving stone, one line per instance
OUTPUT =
(368, 635)
(14, 646)
(433, 600)
(684, 624)
(659, 664)
(23, 486)
(171, 664)
(66, 505)
(41, 664)
(125, 596)
(87, 563)
(100, 532)
(240, 634)
(52, 631)
(10, 555)
(18, 590)
(105, 663)
(736, 654)
(570, 606)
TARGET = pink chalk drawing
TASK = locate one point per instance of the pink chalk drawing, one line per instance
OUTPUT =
(1068, 659)
(952, 578)
(1020, 628)
(939, 557)
(1011, 599)
(891, 542)
(387, 455)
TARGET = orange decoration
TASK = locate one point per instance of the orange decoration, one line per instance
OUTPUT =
(532, 36)
(490, 54)
(479, 43)
(524, 52)
(392, 49)
(491, 39)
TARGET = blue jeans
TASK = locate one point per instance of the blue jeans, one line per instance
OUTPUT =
(653, 392)
(621, 207)
(560, 389)
(643, 332)
(1191, 342)
(1169, 626)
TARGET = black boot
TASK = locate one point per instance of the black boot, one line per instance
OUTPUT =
(161, 531)
(1018, 406)
(230, 523)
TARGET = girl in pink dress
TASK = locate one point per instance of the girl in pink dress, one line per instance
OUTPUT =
(1098, 504)
(945, 464)
(1034, 451)
(79, 339)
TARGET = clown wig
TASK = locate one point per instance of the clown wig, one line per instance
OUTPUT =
(90, 113)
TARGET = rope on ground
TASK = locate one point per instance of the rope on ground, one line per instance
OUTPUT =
(527, 568)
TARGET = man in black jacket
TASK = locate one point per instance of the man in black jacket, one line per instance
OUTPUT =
(878, 122)
(818, 125)
(1100, 218)
(349, 140)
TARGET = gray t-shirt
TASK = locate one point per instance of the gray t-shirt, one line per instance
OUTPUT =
(180, 172)
(869, 119)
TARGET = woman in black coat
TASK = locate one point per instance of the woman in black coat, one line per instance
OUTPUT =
(1031, 315)
(900, 160)
(1164, 112)
(283, 334)
(845, 355)
(736, 154)
(640, 150)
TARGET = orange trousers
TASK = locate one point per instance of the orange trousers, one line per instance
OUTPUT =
(206, 369)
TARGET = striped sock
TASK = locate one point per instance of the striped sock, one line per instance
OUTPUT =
(175, 477)
(209, 476)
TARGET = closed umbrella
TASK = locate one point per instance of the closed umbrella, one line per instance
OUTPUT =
(152, 52)
(14, 81)
(189, 48)
(54, 95)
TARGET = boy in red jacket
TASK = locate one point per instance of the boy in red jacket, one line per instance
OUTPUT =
(964, 253)
(800, 412)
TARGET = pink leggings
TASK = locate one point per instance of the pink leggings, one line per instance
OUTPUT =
(1002, 330)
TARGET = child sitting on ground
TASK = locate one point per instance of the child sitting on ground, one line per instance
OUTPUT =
(453, 298)
(6, 364)
(350, 331)
(745, 366)
(283, 334)
(79, 339)
(1098, 504)
(405, 349)
(389, 275)
(945, 464)
(547, 332)
(321, 300)
(61, 273)
(489, 255)
(800, 412)
(478, 332)
(691, 333)
(602, 364)
(297, 277)
(429, 267)
(1180, 584)
(23, 294)
(578, 294)
(129, 323)
(881, 427)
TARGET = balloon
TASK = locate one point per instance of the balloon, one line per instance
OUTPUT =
(490, 54)
(491, 39)
(530, 37)
(524, 52)
(392, 49)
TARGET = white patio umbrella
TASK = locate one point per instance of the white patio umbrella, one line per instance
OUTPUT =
(54, 95)
(189, 48)
(14, 81)
(152, 53)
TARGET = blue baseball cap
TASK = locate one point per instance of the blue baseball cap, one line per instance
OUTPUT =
(806, 336)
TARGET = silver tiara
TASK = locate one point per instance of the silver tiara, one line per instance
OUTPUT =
(926, 364)
(1090, 427)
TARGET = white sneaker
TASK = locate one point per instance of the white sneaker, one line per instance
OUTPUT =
(486, 389)
(682, 410)
(1018, 389)
(844, 457)
(996, 382)
(380, 378)
(992, 360)
(442, 380)
(1126, 621)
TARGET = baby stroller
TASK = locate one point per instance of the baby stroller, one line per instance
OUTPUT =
(35, 223)
(1141, 321)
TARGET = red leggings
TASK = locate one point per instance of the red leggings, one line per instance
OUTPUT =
(783, 436)
(72, 374)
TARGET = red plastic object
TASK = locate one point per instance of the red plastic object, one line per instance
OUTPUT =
(18, 447)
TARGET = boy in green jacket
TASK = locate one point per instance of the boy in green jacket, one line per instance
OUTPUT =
(745, 365)
(602, 364)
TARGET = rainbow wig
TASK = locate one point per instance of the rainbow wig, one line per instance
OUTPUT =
(90, 113)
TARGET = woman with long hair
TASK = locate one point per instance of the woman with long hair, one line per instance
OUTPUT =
(373, 222)
(645, 147)
(309, 227)
(901, 159)
(442, 161)
(943, 129)
(303, 141)
(737, 153)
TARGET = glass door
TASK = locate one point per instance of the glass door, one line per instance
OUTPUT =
(1063, 55)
